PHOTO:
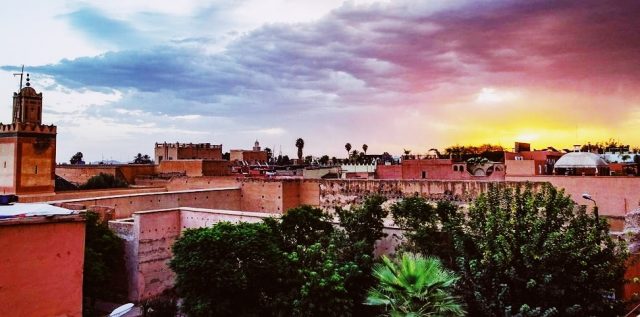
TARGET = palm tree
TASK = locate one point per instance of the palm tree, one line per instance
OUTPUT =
(414, 286)
(348, 148)
(300, 145)
(365, 148)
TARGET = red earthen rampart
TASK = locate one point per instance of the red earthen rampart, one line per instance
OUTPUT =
(41, 264)
(615, 195)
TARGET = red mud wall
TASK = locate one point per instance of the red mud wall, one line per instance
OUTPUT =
(125, 205)
(615, 195)
(41, 269)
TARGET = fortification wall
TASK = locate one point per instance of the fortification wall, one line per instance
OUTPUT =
(125, 205)
(85, 194)
(184, 183)
(335, 193)
(80, 174)
(615, 195)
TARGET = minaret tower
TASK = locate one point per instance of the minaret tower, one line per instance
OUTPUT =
(27, 147)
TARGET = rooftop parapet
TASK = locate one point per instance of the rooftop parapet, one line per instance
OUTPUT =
(27, 127)
(189, 145)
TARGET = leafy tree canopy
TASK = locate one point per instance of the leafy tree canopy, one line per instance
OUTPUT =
(522, 252)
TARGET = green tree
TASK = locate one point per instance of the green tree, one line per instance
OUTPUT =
(528, 252)
(415, 286)
(348, 148)
(300, 146)
(142, 159)
(102, 181)
(324, 160)
(103, 254)
(76, 158)
(365, 148)
(229, 270)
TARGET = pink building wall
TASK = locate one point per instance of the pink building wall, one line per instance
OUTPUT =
(41, 264)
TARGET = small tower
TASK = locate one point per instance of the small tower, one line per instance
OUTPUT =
(27, 147)
(256, 146)
(27, 105)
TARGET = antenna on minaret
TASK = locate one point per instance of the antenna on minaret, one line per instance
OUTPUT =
(21, 73)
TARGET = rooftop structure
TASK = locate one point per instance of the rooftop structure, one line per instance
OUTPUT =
(581, 163)
(187, 151)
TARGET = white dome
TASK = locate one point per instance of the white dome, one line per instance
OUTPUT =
(580, 160)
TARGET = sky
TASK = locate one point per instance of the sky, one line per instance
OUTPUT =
(118, 76)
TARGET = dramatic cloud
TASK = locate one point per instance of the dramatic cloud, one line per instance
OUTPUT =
(392, 74)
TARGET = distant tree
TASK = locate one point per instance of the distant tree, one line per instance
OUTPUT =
(386, 157)
(269, 154)
(365, 148)
(324, 160)
(142, 159)
(286, 160)
(348, 148)
(77, 158)
(308, 159)
(226, 156)
(300, 146)
(103, 181)
(415, 286)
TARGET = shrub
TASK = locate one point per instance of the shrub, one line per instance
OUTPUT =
(414, 286)
(527, 253)
(103, 256)
(229, 269)
(102, 181)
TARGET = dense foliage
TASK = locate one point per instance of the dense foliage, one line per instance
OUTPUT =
(521, 252)
(102, 181)
(414, 286)
(300, 265)
(76, 159)
(103, 255)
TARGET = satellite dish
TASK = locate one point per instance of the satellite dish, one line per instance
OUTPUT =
(120, 311)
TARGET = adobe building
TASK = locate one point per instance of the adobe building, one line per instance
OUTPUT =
(42, 260)
(524, 162)
(254, 156)
(187, 151)
(27, 147)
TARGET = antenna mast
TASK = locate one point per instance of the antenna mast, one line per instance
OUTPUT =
(20, 73)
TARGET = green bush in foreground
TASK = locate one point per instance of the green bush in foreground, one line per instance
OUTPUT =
(300, 265)
(413, 285)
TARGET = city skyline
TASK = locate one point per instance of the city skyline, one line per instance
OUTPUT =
(118, 77)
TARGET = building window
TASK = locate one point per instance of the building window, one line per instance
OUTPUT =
(36, 169)
(424, 174)
(455, 168)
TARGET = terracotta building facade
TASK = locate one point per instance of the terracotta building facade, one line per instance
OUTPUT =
(187, 151)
